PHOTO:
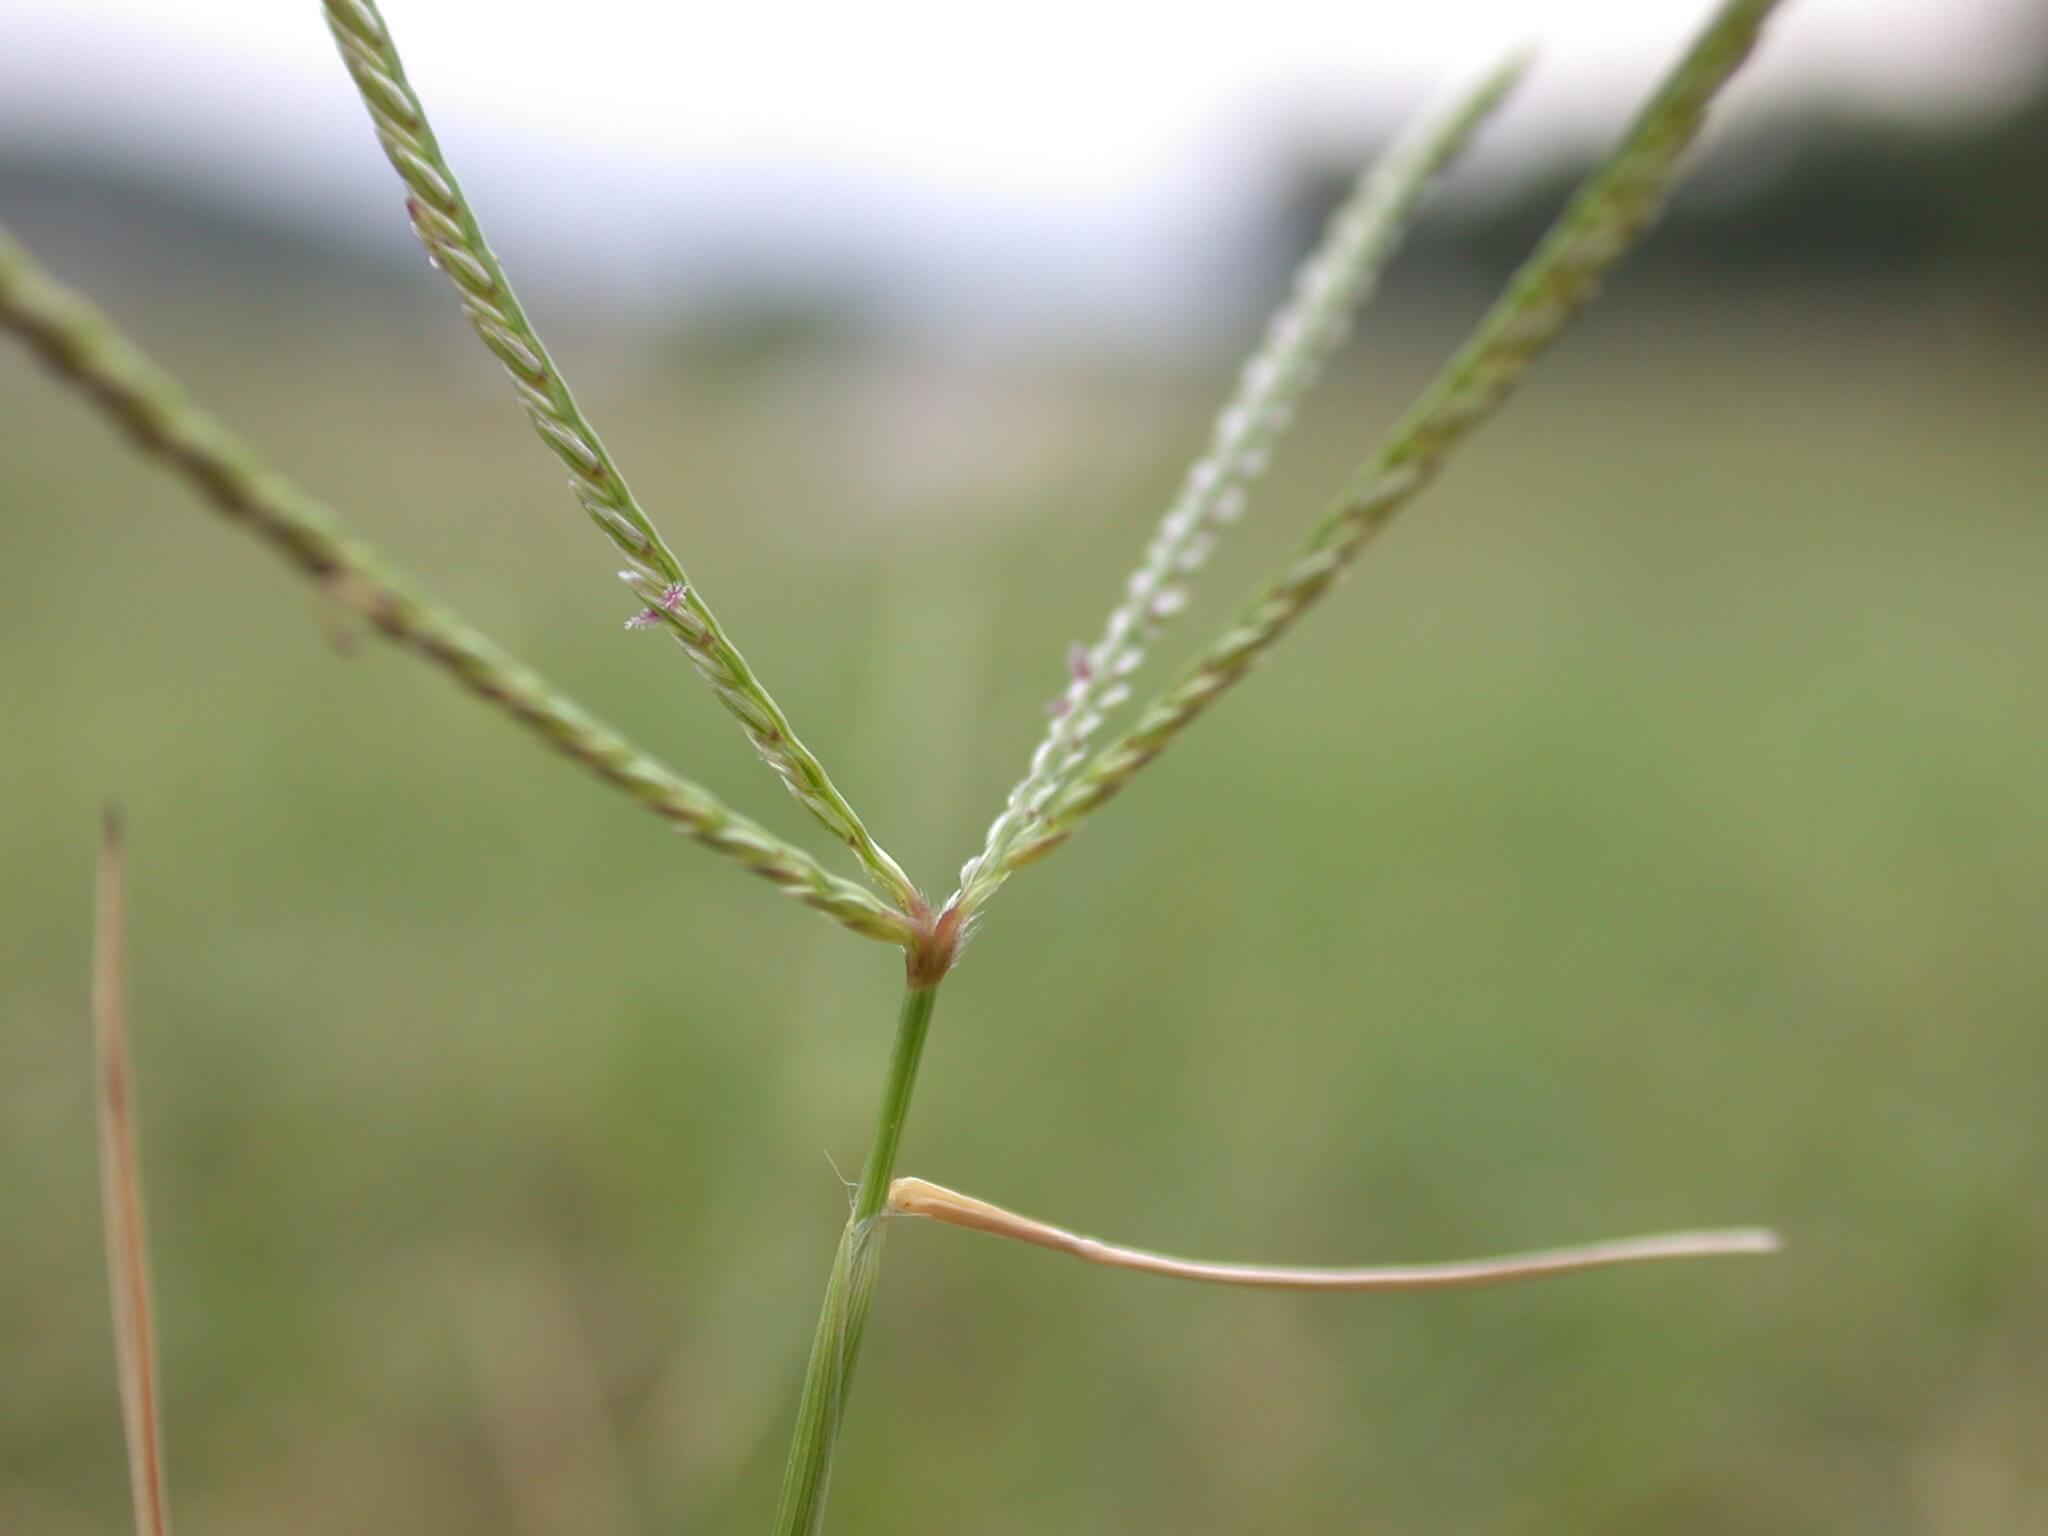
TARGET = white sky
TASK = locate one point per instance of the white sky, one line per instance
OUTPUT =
(1093, 121)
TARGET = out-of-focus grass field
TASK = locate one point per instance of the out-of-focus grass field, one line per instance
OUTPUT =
(1652, 834)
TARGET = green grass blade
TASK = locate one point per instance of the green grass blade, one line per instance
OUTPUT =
(81, 345)
(1610, 213)
(447, 226)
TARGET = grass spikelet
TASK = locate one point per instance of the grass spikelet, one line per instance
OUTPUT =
(448, 228)
(121, 1197)
(1610, 213)
(1311, 324)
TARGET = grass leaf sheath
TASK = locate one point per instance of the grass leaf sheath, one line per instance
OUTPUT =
(850, 1289)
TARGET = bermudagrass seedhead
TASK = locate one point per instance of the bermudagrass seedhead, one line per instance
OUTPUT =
(1609, 214)
(81, 346)
(1063, 783)
(448, 228)
(1361, 238)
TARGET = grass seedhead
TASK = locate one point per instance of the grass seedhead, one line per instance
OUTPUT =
(447, 226)
(1613, 211)
(1333, 283)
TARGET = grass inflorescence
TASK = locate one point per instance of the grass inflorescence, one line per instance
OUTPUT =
(1065, 778)
(1602, 224)
(448, 228)
(1362, 237)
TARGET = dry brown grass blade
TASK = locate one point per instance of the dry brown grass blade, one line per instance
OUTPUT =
(916, 1197)
(121, 1198)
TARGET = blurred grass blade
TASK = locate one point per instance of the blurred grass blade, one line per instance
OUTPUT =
(542, 1400)
(1610, 213)
(447, 226)
(82, 346)
(1333, 283)
(915, 1197)
(121, 1198)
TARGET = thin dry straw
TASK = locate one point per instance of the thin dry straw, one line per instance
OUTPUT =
(1332, 284)
(121, 1199)
(447, 226)
(82, 346)
(915, 1197)
(1605, 219)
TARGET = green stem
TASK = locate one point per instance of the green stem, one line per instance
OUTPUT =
(851, 1288)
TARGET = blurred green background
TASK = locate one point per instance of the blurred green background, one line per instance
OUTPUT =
(1652, 834)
